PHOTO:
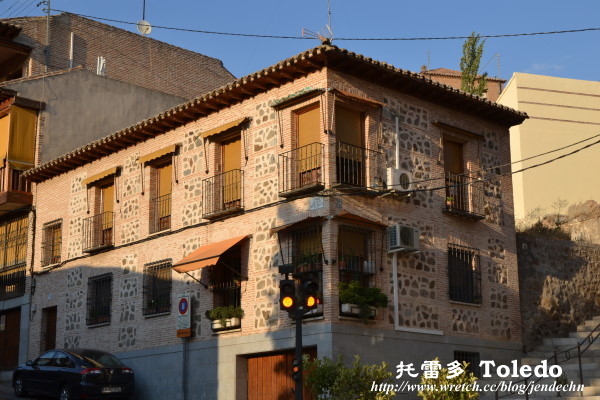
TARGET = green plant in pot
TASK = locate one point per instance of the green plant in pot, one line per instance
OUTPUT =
(364, 297)
(222, 314)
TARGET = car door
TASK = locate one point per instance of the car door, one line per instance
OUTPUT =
(61, 366)
(37, 380)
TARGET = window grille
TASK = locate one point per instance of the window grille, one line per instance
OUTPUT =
(13, 241)
(99, 299)
(157, 288)
(472, 358)
(225, 278)
(356, 255)
(464, 273)
(12, 282)
(51, 246)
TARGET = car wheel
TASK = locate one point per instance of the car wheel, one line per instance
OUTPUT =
(19, 387)
(65, 393)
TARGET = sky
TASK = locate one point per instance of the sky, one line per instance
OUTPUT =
(570, 55)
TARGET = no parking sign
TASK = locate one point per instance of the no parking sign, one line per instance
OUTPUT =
(184, 320)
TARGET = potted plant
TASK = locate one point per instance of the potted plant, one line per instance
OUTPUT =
(449, 201)
(223, 318)
(359, 301)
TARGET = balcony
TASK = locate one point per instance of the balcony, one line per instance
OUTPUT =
(223, 194)
(12, 281)
(358, 168)
(160, 213)
(464, 196)
(15, 191)
(301, 170)
(98, 232)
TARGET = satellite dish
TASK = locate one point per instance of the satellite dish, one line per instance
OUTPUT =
(144, 27)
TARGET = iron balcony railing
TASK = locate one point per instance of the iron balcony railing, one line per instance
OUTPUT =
(464, 195)
(301, 170)
(358, 166)
(13, 180)
(160, 213)
(98, 232)
(12, 281)
(223, 194)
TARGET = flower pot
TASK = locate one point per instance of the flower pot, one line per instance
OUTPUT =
(354, 310)
(230, 323)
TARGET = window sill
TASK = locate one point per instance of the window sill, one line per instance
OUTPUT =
(159, 232)
(99, 325)
(357, 320)
(225, 331)
(463, 303)
(162, 314)
(50, 266)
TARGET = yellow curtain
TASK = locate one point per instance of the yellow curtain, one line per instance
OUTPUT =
(4, 134)
(21, 149)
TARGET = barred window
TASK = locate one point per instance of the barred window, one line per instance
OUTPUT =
(99, 299)
(464, 274)
(225, 279)
(356, 255)
(51, 246)
(157, 287)
(13, 241)
(472, 358)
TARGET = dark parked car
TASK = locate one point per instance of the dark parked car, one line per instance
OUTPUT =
(74, 374)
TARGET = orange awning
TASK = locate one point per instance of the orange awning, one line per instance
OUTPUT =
(224, 127)
(206, 256)
(157, 154)
(101, 175)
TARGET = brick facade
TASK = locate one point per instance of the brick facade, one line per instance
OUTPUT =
(130, 57)
(422, 278)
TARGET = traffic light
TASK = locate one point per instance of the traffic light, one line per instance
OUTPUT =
(296, 369)
(309, 295)
(287, 295)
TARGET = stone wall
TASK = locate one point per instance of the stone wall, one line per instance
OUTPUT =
(559, 283)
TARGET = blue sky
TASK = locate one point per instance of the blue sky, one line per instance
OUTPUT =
(572, 55)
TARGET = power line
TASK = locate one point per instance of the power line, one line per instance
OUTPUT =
(342, 38)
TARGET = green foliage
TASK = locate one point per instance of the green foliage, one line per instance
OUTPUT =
(471, 81)
(332, 380)
(223, 313)
(364, 297)
(466, 378)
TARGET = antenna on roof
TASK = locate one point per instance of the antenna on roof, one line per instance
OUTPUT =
(327, 36)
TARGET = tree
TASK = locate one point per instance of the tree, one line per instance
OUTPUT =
(441, 388)
(471, 81)
(333, 380)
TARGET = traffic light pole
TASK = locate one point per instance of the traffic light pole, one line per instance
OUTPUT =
(298, 356)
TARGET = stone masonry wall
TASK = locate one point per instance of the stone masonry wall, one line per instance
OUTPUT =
(559, 283)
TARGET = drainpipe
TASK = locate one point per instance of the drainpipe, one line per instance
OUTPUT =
(397, 142)
(395, 282)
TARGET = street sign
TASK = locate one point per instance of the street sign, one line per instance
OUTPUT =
(184, 317)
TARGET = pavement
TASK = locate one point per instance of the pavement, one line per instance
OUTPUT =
(7, 393)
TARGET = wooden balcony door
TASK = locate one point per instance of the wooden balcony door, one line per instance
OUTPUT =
(231, 160)
(308, 158)
(350, 155)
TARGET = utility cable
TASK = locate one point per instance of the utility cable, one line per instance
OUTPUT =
(337, 39)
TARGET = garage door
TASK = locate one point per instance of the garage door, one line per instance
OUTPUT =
(270, 376)
(10, 327)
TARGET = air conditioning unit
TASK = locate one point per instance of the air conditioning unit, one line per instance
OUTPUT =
(403, 238)
(399, 180)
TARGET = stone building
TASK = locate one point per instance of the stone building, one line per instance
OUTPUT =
(76, 41)
(345, 167)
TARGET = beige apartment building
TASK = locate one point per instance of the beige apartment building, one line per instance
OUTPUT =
(561, 112)
(345, 167)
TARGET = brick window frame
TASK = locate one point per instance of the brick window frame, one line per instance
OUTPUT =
(464, 274)
(99, 299)
(52, 243)
(157, 288)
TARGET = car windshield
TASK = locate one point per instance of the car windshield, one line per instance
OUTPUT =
(101, 359)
